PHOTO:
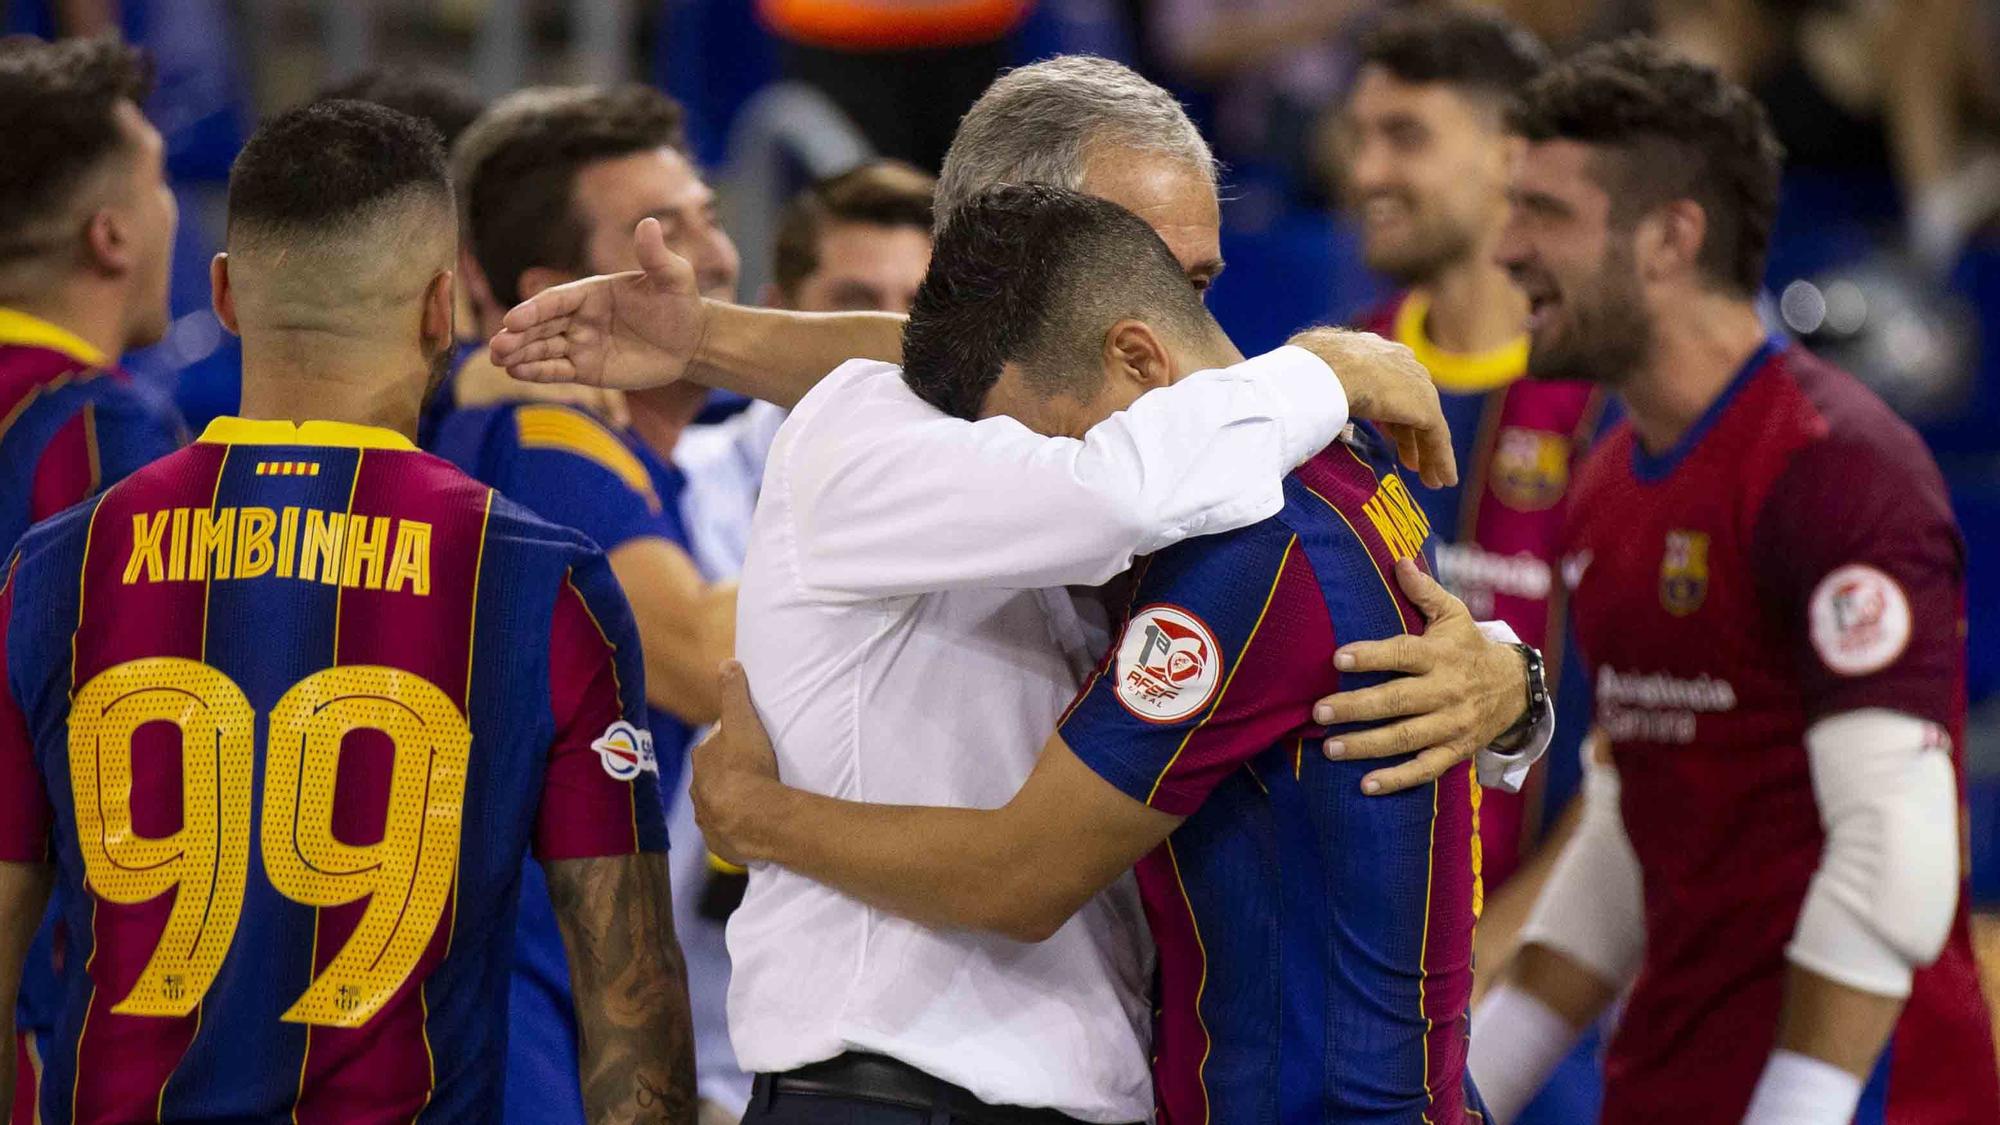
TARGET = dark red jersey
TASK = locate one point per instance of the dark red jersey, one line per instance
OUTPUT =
(1792, 557)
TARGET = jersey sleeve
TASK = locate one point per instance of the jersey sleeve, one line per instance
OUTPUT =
(1228, 647)
(25, 815)
(1860, 554)
(569, 469)
(601, 796)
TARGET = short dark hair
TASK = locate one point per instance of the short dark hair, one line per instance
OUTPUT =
(1676, 130)
(886, 193)
(57, 106)
(448, 101)
(323, 163)
(1473, 51)
(518, 165)
(1035, 274)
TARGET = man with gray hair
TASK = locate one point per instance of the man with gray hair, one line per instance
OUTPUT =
(919, 561)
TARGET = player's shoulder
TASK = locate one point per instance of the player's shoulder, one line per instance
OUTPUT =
(1847, 438)
(26, 369)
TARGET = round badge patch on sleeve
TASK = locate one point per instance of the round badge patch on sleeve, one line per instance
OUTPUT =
(1169, 666)
(1860, 620)
(626, 751)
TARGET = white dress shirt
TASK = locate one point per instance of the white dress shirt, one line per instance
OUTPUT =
(904, 623)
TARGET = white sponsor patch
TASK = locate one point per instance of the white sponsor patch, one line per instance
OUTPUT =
(626, 751)
(1860, 620)
(1169, 666)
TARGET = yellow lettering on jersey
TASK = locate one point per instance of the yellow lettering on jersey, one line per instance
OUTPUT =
(1397, 518)
(288, 540)
(367, 545)
(412, 562)
(177, 551)
(147, 535)
(253, 542)
(214, 540)
(321, 557)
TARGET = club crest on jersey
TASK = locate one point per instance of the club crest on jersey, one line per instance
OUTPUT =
(1530, 468)
(626, 751)
(1169, 666)
(1684, 572)
(1859, 619)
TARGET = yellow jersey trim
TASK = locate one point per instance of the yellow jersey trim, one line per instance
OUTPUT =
(560, 428)
(344, 435)
(1462, 372)
(30, 331)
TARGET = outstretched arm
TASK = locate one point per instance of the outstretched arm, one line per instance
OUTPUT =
(635, 1041)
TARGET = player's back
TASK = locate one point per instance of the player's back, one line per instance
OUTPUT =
(1315, 943)
(299, 907)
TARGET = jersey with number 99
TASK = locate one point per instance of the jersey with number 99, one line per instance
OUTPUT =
(286, 709)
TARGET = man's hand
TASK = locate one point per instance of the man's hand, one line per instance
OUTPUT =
(735, 772)
(1386, 385)
(1461, 692)
(626, 330)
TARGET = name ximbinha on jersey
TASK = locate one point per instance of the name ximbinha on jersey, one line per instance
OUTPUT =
(307, 544)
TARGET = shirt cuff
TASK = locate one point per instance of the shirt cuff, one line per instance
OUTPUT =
(1508, 771)
(1312, 405)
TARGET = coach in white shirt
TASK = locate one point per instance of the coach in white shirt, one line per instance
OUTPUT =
(905, 598)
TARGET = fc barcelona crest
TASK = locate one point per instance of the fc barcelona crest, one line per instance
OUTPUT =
(1684, 572)
(1530, 468)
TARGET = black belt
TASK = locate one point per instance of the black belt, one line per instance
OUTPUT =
(876, 1078)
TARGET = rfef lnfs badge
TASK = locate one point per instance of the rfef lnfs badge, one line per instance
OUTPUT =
(1684, 572)
(1530, 468)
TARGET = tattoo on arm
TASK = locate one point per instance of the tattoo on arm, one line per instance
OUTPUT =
(635, 1040)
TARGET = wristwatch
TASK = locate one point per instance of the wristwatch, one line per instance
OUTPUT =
(1514, 737)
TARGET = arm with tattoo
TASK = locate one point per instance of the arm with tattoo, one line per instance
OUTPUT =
(635, 1042)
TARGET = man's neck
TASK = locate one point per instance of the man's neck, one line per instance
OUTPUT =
(1474, 307)
(1695, 354)
(662, 414)
(363, 387)
(94, 314)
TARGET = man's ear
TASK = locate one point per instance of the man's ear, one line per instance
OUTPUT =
(108, 243)
(1668, 241)
(1135, 354)
(221, 297)
(534, 279)
(438, 328)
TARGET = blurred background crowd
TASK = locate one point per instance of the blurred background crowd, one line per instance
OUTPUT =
(1886, 256)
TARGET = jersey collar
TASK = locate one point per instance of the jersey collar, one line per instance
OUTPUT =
(1458, 372)
(1654, 468)
(345, 435)
(30, 331)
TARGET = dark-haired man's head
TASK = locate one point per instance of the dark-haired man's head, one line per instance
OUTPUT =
(859, 241)
(1054, 307)
(1648, 182)
(1425, 139)
(555, 179)
(86, 218)
(448, 101)
(342, 235)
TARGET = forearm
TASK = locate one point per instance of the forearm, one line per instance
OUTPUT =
(635, 1039)
(1509, 905)
(1834, 1023)
(778, 355)
(945, 868)
(687, 627)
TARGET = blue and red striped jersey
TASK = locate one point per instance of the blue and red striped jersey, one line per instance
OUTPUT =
(1315, 944)
(70, 423)
(289, 709)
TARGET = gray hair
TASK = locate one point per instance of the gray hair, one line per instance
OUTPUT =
(1038, 124)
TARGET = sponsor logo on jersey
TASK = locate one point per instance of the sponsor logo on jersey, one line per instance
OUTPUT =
(1655, 707)
(1574, 567)
(1684, 572)
(1859, 619)
(626, 751)
(1478, 575)
(1169, 666)
(1530, 468)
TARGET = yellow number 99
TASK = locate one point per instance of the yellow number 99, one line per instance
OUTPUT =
(407, 877)
(208, 859)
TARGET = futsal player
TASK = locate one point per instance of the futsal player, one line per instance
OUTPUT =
(309, 696)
